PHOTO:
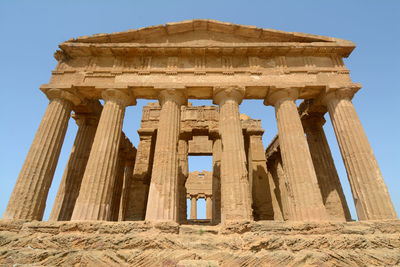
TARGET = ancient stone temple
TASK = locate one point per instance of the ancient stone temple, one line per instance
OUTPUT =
(286, 201)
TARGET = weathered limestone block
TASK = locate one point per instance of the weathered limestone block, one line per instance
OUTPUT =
(136, 200)
(328, 179)
(70, 185)
(254, 244)
(94, 200)
(370, 193)
(28, 199)
(163, 202)
(200, 145)
(305, 197)
(235, 191)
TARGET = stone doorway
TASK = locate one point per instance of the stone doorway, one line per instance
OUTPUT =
(199, 188)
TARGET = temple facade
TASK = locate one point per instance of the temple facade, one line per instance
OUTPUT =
(294, 179)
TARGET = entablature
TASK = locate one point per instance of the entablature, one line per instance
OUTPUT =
(112, 66)
(204, 90)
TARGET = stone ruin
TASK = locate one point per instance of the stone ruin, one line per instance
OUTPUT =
(118, 205)
(198, 136)
(199, 185)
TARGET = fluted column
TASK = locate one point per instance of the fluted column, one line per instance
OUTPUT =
(277, 181)
(28, 199)
(284, 187)
(68, 190)
(94, 200)
(370, 193)
(163, 201)
(235, 192)
(182, 177)
(128, 179)
(118, 184)
(278, 186)
(216, 181)
(208, 208)
(306, 201)
(328, 179)
(193, 207)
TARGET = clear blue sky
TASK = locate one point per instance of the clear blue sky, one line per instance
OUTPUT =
(31, 30)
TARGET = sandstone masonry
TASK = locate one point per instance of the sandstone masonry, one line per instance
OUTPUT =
(294, 179)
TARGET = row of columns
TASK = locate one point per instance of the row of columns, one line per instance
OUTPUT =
(28, 199)
(328, 180)
(97, 198)
(306, 200)
(87, 187)
(193, 207)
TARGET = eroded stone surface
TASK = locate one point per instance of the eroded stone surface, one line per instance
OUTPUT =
(264, 243)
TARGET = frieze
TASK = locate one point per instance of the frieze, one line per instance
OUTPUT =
(106, 67)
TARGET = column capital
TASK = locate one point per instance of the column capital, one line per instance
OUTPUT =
(223, 93)
(176, 95)
(313, 119)
(85, 119)
(339, 93)
(63, 94)
(276, 95)
(118, 96)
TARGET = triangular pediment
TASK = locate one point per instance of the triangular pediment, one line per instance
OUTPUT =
(200, 32)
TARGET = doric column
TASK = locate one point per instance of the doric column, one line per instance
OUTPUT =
(94, 200)
(138, 189)
(182, 177)
(208, 208)
(118, 182)
(328, 179)
(130, 155)
(306, 201)
(163, 200)
(235, 193)
(260, 187)
(216, 180)
(278, 186)
(28, 199)
(193, 207)
(283, 189)
(68, 190)
(278, 181)
(370, 193)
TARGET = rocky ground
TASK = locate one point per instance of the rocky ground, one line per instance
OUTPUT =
(263, 243)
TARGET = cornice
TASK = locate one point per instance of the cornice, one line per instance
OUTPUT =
(248, 49)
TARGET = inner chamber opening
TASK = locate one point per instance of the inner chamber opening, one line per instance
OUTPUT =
(198, 187)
